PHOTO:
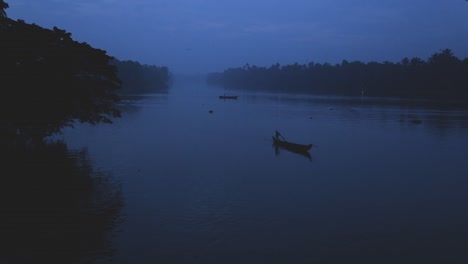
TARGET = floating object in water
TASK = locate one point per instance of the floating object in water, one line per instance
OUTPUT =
(228, 97)
(294, 147)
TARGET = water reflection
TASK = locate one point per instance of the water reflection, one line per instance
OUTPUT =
(439, 118)
(354, 101)
(383, 190)
(134, 102)
(55, 207)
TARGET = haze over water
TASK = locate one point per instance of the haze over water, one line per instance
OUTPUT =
(202, 187)
(185, 177)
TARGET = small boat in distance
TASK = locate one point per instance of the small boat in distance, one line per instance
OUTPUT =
(228, 97)
(294, 147)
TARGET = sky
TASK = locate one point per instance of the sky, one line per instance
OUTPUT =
(201, 36)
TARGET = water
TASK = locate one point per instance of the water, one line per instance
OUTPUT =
(201, 187)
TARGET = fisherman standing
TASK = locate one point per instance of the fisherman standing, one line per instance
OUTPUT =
(277, 135)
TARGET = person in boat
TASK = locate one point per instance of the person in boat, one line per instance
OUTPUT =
(277, 135)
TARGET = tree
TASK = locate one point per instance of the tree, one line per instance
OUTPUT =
(141, 78)
(443, 76)
(444, 58)
(3, 6)
(49, 81)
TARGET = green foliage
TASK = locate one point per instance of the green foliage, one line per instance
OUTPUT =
(49, 81)
(441, 76)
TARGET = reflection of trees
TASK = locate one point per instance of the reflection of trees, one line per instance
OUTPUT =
(55, 207)
(443, 125)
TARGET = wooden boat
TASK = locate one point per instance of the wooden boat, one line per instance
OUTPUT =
(304, 153)
(228, 97)
(294, 147)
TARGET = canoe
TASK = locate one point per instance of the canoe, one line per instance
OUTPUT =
(300, 148)
(303, 153)
(228, 97)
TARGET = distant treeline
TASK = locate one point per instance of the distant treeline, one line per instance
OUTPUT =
(441, 76)
(141, 78)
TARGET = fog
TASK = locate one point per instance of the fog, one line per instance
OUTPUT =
(201, 36)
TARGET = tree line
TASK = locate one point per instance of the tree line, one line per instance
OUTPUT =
(49, 81)
(141, 78)
(441, 76)
(55, 207)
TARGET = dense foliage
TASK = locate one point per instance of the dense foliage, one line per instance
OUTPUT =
(3, 6)
(49, 81)
(141, 78)
(442, 76)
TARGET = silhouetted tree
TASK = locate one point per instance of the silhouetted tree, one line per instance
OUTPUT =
(49, 81)
(442, 76)
(3, 6)
(141, 78)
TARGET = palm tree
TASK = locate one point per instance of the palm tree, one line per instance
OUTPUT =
(3, 6)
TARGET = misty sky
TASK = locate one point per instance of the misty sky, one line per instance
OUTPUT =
(199, 36)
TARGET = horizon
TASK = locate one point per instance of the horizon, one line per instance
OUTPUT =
(196, 38)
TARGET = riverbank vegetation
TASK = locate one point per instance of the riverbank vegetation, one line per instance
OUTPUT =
(141, 78)
(442, 76)
(49, 81)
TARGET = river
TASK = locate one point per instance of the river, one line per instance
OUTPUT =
(200, 181)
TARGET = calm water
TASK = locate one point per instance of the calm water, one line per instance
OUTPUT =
(189, 186)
